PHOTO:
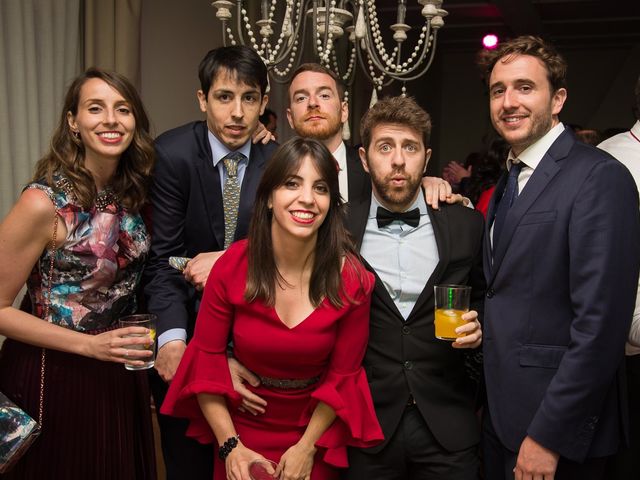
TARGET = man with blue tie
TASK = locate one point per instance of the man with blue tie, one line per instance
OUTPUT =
(561, 259)
(204, 185)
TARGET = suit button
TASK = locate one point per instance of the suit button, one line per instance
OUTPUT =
(408, 365)
(406, 330)
(490, 293)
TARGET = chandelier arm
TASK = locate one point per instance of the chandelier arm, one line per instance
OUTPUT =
(417, 64)
(224, 33)
(239, 15)
(373, 80)
(285, 54)
(424, 70)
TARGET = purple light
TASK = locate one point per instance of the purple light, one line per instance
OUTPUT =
(490, 41)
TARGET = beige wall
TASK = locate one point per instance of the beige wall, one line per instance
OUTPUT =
(175, 37)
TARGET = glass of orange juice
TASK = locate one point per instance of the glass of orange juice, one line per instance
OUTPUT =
(147, 320)
(452, 301)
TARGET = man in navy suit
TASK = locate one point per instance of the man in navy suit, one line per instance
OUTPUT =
(561, 259)
(188, 220)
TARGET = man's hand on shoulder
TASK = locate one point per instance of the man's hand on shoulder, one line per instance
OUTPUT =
(168, 359)
(437, 190)
(263, 135)
(198, 268)
(535, 461)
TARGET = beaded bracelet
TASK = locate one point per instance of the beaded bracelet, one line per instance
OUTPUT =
(225, 449)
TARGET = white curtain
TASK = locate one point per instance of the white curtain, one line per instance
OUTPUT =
(39, 56)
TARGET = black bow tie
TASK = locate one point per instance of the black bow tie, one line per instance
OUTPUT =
(385, 217)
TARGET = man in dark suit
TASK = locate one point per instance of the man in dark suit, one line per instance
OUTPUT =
(561, 260)
(423, 397)
(192, 216)
(317, 109)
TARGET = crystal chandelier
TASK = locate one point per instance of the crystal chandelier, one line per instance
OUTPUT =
(349, 26)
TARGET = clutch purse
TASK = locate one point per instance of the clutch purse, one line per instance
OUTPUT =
(17, 431)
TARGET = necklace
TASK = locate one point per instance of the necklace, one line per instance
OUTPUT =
(104, 199)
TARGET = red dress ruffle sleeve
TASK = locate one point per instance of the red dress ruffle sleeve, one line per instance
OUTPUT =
(345, 387)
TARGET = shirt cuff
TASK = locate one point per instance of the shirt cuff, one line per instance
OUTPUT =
(171, 335)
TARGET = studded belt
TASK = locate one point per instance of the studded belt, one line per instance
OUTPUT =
(288, 383)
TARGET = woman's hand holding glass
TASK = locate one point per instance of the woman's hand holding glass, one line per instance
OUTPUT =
(112, 346)
(239, 460)
(296, 463)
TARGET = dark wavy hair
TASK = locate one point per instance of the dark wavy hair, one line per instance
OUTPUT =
(333, 242)
(66, 152)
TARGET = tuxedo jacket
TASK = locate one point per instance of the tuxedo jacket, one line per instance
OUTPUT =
(404, 357)
(358, 180)
(561, 286)
(188, 217)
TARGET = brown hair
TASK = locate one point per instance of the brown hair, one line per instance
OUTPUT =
(317, 68)
(397, 110)
(527, 45)
(66, 153)
(333, 242)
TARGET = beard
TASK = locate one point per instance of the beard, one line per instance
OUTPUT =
(540, 124)
(319, 130)
(398, 198)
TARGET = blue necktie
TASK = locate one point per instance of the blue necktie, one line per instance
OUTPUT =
(508, 197)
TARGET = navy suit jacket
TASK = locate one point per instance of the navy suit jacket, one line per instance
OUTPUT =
(405, 357)
(560, 296)
(187, 216)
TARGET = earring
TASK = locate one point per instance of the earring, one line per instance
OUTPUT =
(76, 136)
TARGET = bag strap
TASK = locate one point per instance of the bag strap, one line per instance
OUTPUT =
(47, 309)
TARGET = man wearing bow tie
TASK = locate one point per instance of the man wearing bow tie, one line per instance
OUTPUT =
(422, 394)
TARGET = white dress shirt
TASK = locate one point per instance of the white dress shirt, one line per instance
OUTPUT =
(404, 257)
(340, 154)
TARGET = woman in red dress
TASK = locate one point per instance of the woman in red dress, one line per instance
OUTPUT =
(295, 301)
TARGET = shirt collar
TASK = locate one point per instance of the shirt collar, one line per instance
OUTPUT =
(340, 154)
(219, 150)
(533, 154)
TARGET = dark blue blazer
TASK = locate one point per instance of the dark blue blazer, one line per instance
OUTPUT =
(561, 290)
(187, 216)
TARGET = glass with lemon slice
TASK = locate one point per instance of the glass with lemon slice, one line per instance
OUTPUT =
(146, 320)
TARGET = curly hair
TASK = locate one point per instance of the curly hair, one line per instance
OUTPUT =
(399, 110)
(527, 45)
(66, 153)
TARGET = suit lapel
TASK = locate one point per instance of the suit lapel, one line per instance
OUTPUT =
(357, 179)
(357, 216)
(250, 182)
(210, 184)
(440, 224)
(542, 176)
(491, 213)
